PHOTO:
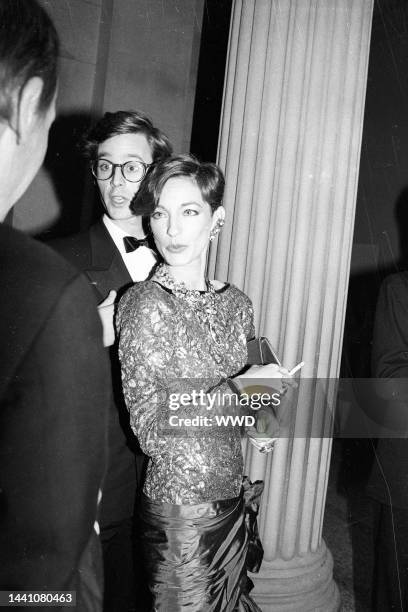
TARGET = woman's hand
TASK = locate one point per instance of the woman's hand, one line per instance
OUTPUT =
(269, 372)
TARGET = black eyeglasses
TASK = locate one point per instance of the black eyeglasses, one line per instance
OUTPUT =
(133, 171)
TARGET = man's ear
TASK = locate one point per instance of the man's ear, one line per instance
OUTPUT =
(26, 108)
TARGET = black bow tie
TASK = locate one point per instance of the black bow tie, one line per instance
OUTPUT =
(131, 243)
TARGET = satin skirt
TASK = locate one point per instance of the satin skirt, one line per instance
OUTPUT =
(195, 556)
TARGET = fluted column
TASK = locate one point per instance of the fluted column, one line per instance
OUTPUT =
(290, 144)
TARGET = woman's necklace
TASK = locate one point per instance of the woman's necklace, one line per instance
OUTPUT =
(203, 304)
(179, 288)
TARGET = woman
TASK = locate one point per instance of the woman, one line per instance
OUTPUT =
(181, 333)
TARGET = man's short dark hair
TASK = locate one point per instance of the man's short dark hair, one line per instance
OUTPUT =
(125, 122)
(28, 48)
(207, 176)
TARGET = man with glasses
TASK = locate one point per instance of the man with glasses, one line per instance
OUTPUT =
(113, 253)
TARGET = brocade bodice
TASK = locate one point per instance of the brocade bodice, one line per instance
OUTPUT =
(169, 346)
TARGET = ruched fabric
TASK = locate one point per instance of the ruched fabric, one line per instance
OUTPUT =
(195, 555)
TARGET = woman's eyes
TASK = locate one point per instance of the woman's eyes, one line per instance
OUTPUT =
(157, 214)
(187, 212)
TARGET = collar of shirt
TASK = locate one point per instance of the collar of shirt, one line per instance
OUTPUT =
(139, 262)
(116, 233)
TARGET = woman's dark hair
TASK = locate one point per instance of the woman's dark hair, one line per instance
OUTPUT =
(125, 122)
(28, 48)
(208, 177)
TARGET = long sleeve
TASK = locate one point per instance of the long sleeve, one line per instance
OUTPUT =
(169, 352)
(142, 352)
(145, 348)
(53, 423)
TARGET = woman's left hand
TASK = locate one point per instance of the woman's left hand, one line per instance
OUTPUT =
(271, 370)
(275, 376)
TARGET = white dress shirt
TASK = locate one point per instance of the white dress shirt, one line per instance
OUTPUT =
(138, 262)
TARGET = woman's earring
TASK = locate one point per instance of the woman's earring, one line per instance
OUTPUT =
(216, 229)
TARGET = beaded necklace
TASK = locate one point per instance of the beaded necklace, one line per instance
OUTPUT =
(179, 287)
(201, 303)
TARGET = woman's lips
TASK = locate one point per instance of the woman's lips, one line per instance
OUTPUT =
(176, 248)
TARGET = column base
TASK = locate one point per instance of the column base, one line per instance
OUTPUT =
(303, 584)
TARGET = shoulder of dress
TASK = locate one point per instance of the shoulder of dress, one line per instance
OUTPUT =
(239, 296)
(146, 289)
(141, 295)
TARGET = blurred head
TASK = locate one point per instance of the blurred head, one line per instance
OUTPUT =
(183, 198)
(28, 83)
(120, 148)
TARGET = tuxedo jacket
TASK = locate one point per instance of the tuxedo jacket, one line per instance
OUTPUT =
(54, 403)
(389, 479)
(95, 254)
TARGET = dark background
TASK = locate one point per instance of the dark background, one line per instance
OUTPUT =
(380, 242)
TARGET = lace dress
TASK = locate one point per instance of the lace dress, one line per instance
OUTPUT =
(169, 345)
(193, 533)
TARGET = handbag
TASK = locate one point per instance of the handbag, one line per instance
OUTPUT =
(261, 352)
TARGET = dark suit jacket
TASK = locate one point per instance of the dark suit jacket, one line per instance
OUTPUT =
(389, 479)
(95, 254)
(54, 402)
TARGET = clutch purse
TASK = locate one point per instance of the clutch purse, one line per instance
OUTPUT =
(261, 352)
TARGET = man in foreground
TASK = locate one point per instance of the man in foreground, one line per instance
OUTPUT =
(54, 374)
